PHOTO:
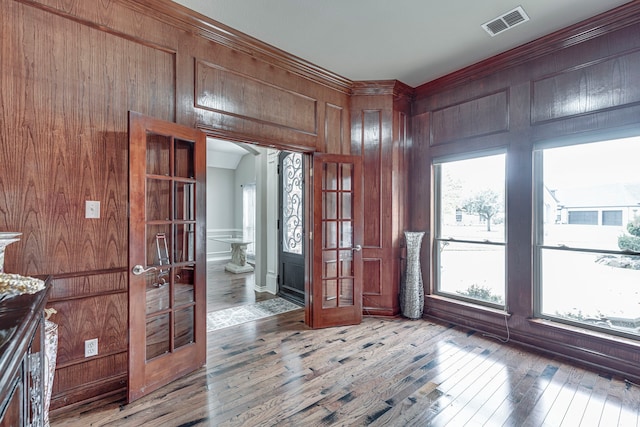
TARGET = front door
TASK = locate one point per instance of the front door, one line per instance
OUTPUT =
(291, 227)
(337, 235)
(167, 279)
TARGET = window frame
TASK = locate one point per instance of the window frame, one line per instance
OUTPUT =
(436, 164)
(538, 237)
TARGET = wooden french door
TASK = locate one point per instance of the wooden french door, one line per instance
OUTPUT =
(336, 241)
(291, 227)
(167, 270)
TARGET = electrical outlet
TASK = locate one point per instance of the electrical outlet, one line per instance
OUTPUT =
(91, 347)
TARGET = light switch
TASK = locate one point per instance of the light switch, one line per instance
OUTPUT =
(92, 209)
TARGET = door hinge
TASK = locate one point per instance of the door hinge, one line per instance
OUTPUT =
(278, 279)
(311, 235)
(278, 225)
(311, 172)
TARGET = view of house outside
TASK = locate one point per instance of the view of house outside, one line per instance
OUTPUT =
(589, 195)
(471, 233)
(592, 194)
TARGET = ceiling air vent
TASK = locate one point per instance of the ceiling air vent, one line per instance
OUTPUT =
(508, 20)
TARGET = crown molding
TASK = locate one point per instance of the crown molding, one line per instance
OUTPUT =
(382, 87)
(200, 25)
(599, 25)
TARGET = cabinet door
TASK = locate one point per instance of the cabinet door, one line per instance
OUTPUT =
(12, 410)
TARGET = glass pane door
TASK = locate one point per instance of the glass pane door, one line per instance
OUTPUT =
(291, 256)
(170, 238)
(337, 276)
(166, 252)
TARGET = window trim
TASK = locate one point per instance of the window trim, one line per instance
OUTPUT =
(538, 238)
(437, 197)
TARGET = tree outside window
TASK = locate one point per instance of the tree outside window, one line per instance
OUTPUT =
(470, 242)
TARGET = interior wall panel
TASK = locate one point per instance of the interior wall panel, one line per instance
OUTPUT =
(594, 87)
(70, 72)
(84, 285)
(86, 376)
(236, 94)
(371, 167)
(333, 134)
(371, 277)
(380, 134)
(102, 317)
(585, 87)
(481, 116)
(65, 113)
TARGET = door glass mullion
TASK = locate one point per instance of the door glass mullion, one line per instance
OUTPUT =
(339, 224)
(183, 217)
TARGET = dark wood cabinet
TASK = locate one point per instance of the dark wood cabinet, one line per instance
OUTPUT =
(22, 372)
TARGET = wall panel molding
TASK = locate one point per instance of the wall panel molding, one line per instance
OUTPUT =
(382, 87)
(70, 73)
(218, 250)
(202, 26)
(88, 284)
(604, 84)
(605, 23)
(481, 116)
(333, 129)
(232, 93)
(372, 145)
(585, 90)
(371, 277)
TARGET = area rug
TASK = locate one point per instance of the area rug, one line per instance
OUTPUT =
(246, 313)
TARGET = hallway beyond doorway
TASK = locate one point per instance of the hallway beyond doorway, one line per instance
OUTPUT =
(226, 290)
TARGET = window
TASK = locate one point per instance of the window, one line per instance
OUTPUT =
(249, 217)
(470, 232)
(292, 203)
(611, 217)
(588, 274)
(583, 217)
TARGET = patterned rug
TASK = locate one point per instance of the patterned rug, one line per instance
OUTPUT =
(246, 313)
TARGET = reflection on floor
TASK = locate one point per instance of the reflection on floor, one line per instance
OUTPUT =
(232, 299)
(226, 290)
(245, 313)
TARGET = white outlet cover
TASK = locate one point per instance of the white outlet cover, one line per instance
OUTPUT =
(92, 209)
(91, 347)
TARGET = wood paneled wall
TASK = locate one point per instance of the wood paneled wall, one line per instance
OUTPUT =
(582, 82)
(379, 133)
(69, 73)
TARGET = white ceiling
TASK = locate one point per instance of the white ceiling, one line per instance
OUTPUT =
(225, 154)
(414, 41)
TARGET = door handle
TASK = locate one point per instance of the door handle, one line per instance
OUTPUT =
(357, 248)
(138, 269)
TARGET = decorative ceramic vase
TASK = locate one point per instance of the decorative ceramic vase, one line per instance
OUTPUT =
(6, 238)
(50, 354)
(411, 289)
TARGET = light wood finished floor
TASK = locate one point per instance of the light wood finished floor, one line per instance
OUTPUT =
(384, 372)
(226, 290)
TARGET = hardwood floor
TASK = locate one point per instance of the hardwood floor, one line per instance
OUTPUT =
(226, 290)
(384, 372)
